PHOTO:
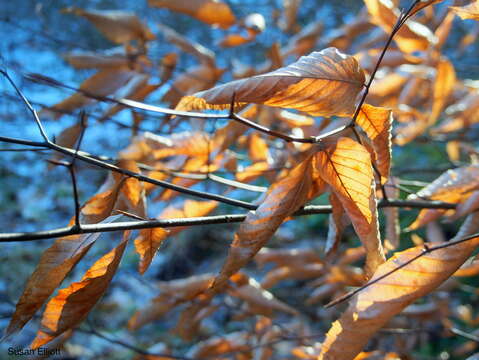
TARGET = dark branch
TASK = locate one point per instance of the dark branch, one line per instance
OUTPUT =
(206, 220)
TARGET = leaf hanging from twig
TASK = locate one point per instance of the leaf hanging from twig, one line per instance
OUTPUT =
(346, 167)
(72, 304)
(377, 122)
(373, 307)
(55, 264)
(283, 198)
(323, 83)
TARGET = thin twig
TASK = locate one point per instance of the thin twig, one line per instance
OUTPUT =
(124, 344)
(206, 220)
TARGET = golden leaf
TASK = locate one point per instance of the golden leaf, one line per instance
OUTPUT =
(443, 86)
(147, 244)
(72, 304)
(453, 186)
(377, 122)
(413, 36)
(346, 167)
(55, 264)
(323, 83)
(373, 307)
(213, 12)
(282, 199)
(470, 11)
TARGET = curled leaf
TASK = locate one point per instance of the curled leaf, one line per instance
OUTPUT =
(346, 167)
(55, 264)
(283, 198)
(377, 122)
(72, 304)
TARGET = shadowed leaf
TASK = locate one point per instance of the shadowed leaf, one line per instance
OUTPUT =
(72, 304)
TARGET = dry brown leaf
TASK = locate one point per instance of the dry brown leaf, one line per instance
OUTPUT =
(290, 10)
(253, 172)
(213, 12)
(453, 186)
(147, 244)
(55, 264)
(461, 115)
(373, 307)
(444, 29)
(413, 36)
(68, 138)
(304, 41)
(377, 123)
(287, 257)
(195, 79)
(258, 148)
(203, 54)
(194, 144)
(103, 83)
(393, 58)
(217, 346)
(467, 206)
(346, 167)
(282, 199)
(322, 83)
(173, 293)
(443, 86)
(233, 40)
(189, 209)
(422, 4)
(117, 26)
(72, 304)
(336, 224)
(292, 271)
(470, 11)
(137, 93)
(100, 206)
(259, 300)
(115, 57)
(132, 188)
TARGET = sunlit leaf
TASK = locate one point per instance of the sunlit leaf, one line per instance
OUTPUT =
(373, 307)
(147, 244)
(283, 198)
(454, 186)
(322, 83)
(346, 167)
(470, 11)
(413, 36)
(377, 122)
